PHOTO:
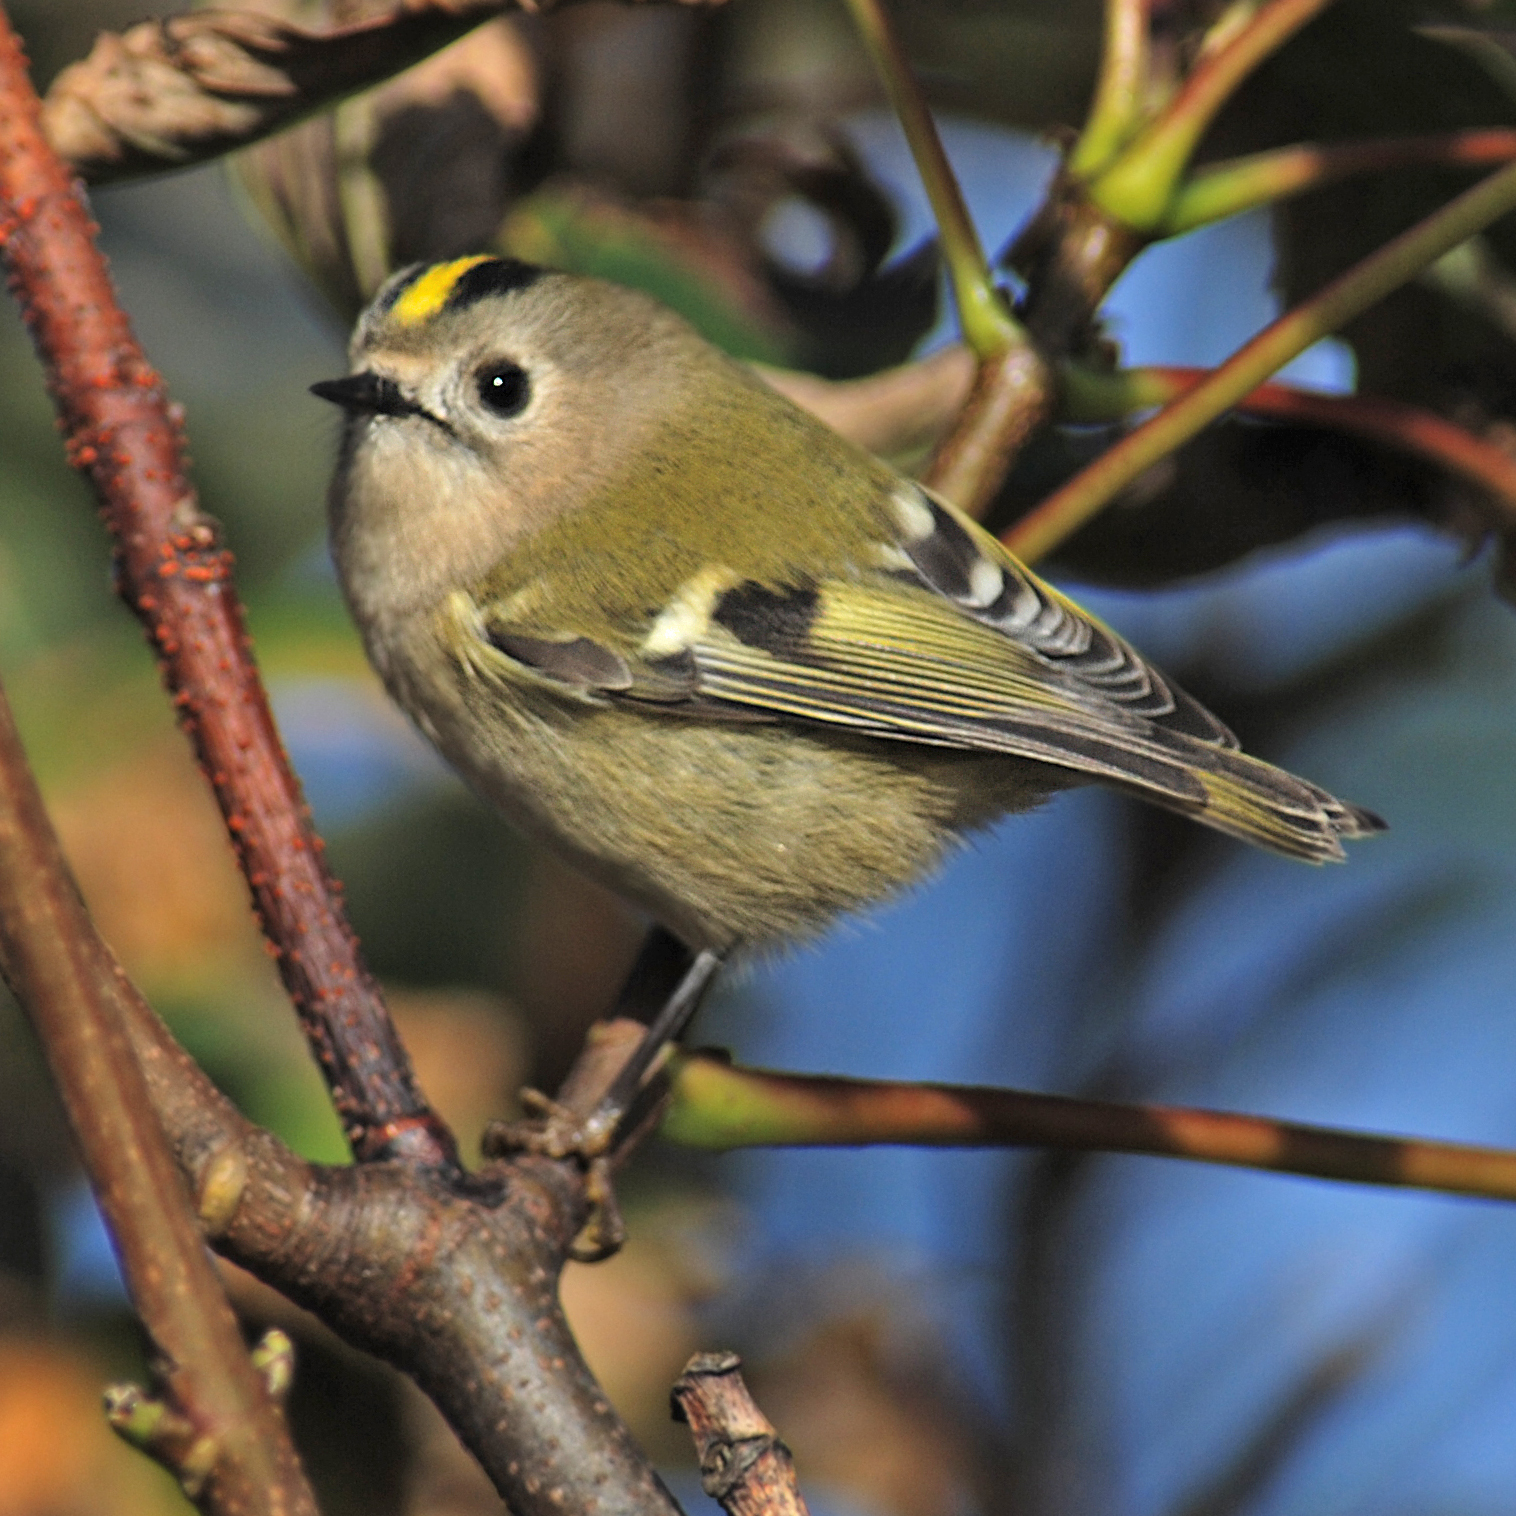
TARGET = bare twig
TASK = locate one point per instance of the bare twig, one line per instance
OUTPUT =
(213, 1423)
(743, 1464)
(988, 325)
(1345, 298)
(168, 93)
(915, 404)
(1240, 184)
(1012, 396)
(1116, 109)
(171, 569)
(718, 1106)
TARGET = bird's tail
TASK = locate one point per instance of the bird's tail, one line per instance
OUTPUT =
(1259, 803)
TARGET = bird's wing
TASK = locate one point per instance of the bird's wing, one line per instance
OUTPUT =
(946, 641)
(969, 569)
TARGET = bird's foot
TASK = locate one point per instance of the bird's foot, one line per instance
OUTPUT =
(552, 1130)
(562, 1129)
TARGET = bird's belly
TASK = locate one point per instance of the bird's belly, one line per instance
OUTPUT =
(750, 834)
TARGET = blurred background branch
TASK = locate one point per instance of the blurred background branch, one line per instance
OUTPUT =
(168, 93)
(230, 1448)
(1490, 468)
(1139, 182)
(1226, 189)
(1340, 302)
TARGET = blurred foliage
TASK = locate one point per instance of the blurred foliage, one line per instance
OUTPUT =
(712, 174)
(1352, 75)
(700, 154)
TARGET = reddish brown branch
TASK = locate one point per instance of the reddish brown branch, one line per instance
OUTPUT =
(743, 1464)
(231, 1447)
(719, 1106)
(172, 570)
(457, 1288)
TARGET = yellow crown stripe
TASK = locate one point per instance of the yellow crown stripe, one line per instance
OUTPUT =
(423, 299)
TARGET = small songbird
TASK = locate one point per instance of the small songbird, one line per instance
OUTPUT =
(720, 658)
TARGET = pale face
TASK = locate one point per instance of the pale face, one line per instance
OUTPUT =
(471, 425)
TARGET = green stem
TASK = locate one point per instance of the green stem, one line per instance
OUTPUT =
(1118, 92)
(1242, 184)
(988, 325)
(1139, 187)
(1345, 298)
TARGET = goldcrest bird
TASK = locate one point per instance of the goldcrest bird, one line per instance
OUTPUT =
(724, 661)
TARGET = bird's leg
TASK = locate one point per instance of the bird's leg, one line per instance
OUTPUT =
(667, 976)
(676, 1012)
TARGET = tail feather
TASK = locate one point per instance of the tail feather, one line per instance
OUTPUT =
(1259, 803)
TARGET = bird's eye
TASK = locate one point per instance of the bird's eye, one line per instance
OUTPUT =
(503, 389)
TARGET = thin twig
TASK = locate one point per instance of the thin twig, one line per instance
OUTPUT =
(1345, 298)
(230, 1446)
(913, 404)
(988, 325)
(1117, 106)
(1140, 185)
(743, 1463)
(120, 429)
(1241, 184)
(720, 1107)
(1011, 397)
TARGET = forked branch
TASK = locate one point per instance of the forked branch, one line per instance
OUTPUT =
(1340, 302)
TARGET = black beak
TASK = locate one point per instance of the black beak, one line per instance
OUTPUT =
(368, 392)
